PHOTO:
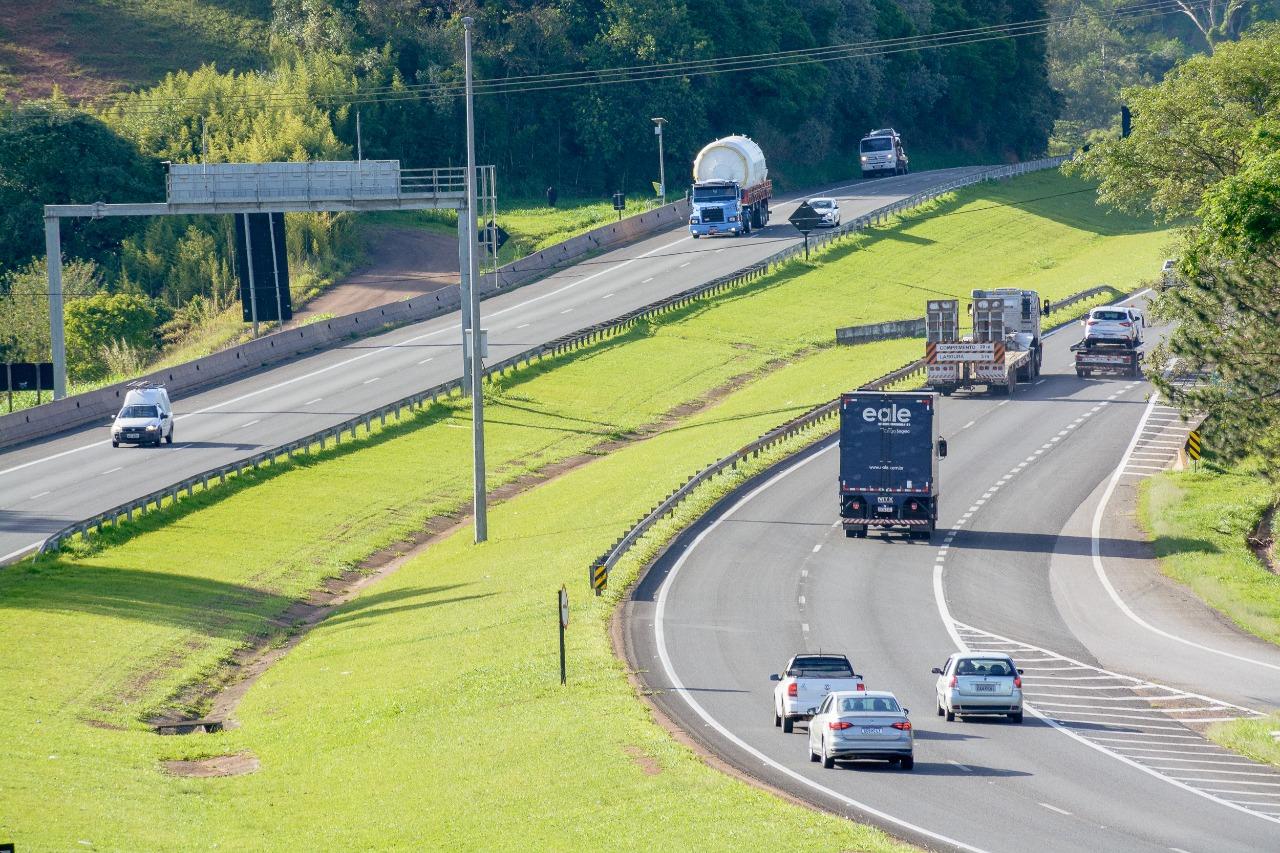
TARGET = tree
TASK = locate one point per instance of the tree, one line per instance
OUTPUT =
(1215, 19)
(24, 305)
(102, 321)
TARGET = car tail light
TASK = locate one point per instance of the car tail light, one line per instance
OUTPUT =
(793, 690)
(1125, 323)
(1017, 681)
(839, 724)
(861, 686)
(1090, 322)
(953, 681)
(903, 725)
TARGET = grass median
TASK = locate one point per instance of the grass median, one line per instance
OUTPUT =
(428, 710)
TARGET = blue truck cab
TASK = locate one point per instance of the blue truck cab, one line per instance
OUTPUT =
(889, 452)
(716, 209)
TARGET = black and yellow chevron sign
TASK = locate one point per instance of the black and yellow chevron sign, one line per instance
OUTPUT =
(599, 578)
(1193, 444)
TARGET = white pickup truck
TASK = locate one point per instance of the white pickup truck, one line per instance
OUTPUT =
(806, 682)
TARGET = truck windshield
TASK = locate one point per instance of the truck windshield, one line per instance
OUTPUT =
(139, 412)
(877, 143)
(714, 194)
(821, 667)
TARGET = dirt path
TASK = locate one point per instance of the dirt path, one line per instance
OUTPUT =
(403, 262)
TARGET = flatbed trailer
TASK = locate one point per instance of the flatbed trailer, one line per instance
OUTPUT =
(1113, 360)
(965, 365)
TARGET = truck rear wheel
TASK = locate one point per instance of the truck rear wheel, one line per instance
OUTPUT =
(788, 725)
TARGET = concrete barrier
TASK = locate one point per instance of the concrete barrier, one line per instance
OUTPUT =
(881, 331)
(184, 379)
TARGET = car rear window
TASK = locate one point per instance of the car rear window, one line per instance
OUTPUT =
(869, 704)
(1110, 315)
(819, 667)
(138, 412)
(984, 666)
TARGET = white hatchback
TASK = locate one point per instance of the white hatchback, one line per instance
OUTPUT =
(828, 209)
(1113, 325)
(974, 683)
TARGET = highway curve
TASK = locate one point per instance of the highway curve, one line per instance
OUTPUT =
(48, 484)
(1120, 665)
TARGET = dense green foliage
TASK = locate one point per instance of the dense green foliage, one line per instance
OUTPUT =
(1206, 142)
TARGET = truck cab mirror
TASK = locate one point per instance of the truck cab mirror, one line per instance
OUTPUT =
(775, 677)
(942, 448)
(969, 307)
(1046, 308)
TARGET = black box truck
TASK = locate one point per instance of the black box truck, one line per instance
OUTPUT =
(889, 452)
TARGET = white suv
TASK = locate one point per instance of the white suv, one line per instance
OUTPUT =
(1113, 325)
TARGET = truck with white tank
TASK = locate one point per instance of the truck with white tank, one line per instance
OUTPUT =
(881, 153)
(731, 189)
(1004, 349)
(889, 452)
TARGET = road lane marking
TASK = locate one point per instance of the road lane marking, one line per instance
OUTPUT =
(685, 264)
(42, 494)
(961, 766)
(817, 548)
(318, 399)
(607, 296)
(111, 471)
(969, 424)
(1056, 809)
(521, 326)
(566, 311)
(251, 423)
(366, 382)
(802, 601)
(647, 280)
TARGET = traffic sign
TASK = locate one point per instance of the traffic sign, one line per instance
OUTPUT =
(1193, 444)
(599, 578)
(486, 235)
(805, 219)
(564, 607)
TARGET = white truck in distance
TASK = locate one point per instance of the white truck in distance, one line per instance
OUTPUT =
(881, 153)
(806, 682)
(731, 189)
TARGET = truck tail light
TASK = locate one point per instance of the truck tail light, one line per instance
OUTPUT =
(861, 686)
(914, 506)
(1017, 681)
(903, 725)
(793, 690)
(953, 681)
(839, 725)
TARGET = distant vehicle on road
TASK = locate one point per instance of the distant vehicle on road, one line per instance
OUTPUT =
(1004, 349)
(889, 452)
(870, 725)
(881, 153)
(145, 418)
(828, 209)
(806, 682)
(1113, 324)
(731, 189)
(974, 684)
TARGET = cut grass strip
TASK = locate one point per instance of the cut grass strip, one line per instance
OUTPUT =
(1258, 739)
(405, 695)
(1198, 522)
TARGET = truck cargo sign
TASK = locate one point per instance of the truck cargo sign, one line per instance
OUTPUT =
(886, 441)
(950, 351)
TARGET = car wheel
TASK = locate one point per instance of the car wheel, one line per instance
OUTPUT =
(908, 762)
(695, 236)
(813, 756)
(827, 761)
(951, 716)
(1016, 718)
(115, 444)
(788, 725)
(777, 719)
(940, 711)
(168, 439)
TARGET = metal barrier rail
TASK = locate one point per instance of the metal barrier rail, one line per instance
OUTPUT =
(582, 337)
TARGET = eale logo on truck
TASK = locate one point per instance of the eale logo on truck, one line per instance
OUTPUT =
(888, 415)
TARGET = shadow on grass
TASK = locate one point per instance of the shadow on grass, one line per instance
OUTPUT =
(374, 606)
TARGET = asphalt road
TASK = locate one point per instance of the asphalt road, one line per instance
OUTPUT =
(69, 477)
(1110, 758)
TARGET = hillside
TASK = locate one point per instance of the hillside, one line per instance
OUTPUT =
(89, 47)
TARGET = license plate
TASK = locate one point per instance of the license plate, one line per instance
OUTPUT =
(985, 688)
(131, 435)
(872, 730)
(714, 229)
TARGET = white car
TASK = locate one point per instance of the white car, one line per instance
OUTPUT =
(1113, 325)
(828, 209)
(145, 418)
(977, 683)
(868, 725)
(806, 682)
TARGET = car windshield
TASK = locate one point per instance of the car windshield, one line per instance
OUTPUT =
(869, 704)
(984, 666)
(820, 667)
(713, 194)
(1110, 315)
(139, 412)
(820, 204)
(877, 143)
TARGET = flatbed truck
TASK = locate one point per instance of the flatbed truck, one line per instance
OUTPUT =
(1004, 349)
(1118, 360)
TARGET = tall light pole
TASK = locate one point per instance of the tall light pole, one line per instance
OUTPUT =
(472, 310)
(662, 164)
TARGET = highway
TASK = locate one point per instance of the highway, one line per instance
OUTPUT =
(69, 477)
(1035, 556)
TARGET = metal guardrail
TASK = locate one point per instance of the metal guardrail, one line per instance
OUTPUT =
(750, 451)
(582, 337)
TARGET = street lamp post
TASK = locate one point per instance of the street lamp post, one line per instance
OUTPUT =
(472, 310)
(662, 165)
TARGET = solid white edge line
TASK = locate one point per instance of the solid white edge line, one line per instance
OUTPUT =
(678, 685)
(1095, 547)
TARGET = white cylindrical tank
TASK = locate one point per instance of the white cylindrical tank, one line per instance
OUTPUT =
(734, 158)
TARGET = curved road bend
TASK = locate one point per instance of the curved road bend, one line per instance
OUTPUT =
(1110, 759)
(48, 484)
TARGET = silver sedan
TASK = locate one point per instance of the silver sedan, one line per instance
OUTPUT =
(871, 724)
(972, 683)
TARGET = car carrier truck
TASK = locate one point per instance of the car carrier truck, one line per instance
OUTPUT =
(1004, 349)
(731, 189)
(889, 452)
(1117, 359)
(881, 153)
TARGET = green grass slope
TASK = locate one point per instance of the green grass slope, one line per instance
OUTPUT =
(427, 712)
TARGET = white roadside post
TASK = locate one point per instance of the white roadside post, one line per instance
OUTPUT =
(472, 309)
(57, 342)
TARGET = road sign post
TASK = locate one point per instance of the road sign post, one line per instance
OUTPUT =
(563, 602)
(1193, 446)
(599, 578)
(619, 203)
(805, 219)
